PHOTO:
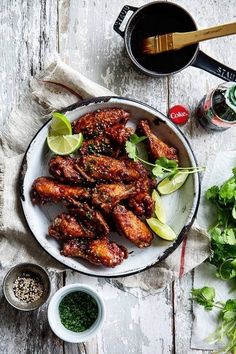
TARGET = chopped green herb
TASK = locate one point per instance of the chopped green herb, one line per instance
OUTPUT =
(78, 311)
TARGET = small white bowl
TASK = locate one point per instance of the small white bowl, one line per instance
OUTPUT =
(54, 316)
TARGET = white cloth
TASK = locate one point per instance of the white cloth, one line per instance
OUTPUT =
(16, 242)
(219, 169)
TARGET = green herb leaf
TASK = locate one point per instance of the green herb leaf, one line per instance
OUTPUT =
(167, 164)
(204, 296)
(135, 139)
(131, 150)
(234, 211)
(157, 171)
(212, 193)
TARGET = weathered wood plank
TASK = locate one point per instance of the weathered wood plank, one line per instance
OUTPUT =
(28, 36)
(183, 317)
(28, 332)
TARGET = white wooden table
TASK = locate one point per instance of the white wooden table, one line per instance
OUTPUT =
(81, 32)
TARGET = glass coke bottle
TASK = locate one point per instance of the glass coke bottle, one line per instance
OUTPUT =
(217, 109)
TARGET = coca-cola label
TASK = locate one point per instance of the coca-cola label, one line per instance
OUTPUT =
(178, 114)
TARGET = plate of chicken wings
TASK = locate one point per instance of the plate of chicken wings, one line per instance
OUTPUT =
(88, 210)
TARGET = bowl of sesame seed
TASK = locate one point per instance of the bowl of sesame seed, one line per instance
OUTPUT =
(26, 286)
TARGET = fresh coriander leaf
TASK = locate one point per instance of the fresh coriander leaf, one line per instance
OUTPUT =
(142, 151)
(234, 211)
(131, 150)
(204, 296)
(216, 234)
(228, 191)
(135, 139)
(230, 236)
(230, 305)
(212, 193)
(166, 163)
(227, 269)
(157, 171)
(227, 236)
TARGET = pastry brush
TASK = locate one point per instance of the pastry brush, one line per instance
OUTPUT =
(171, 41)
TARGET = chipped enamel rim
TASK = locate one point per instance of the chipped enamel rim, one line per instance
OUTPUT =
(192, 213)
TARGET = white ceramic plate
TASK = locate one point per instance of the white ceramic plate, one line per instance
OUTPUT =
(181, 206)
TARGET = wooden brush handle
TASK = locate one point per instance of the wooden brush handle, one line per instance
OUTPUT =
(182, 39)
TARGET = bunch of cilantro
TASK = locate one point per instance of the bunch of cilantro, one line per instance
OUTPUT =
(223, 232)
(226, 317)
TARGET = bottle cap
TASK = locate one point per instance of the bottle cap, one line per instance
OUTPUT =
(179, 114)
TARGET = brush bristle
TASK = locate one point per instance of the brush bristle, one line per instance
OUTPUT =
(149, 46)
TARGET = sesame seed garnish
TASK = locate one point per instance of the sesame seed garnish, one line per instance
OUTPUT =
(28, 287)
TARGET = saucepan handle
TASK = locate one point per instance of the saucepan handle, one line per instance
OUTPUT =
(203, 61)
(121, 18)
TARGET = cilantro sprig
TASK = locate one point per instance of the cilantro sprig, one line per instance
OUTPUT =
(163, 166)
(223, 232)
(226, 317)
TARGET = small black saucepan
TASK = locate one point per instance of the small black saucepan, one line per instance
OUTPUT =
(159, 18)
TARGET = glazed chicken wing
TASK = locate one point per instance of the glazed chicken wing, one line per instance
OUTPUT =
(95, 123)
(157, 148)
(100, 145)
(65, 169)
(66, 226)
(106, 196)
(130, 226)
(99, 252)
(91, 218)
(104, 168)
(119, 133)
(46, 189)
(141, 202)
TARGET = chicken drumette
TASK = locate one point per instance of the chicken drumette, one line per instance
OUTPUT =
(66, 226)
(100, 145)
(90, 217)
(141, 202)
(95, 123)
(130, 226)
(65, 169)
(157, 148)
(46, 189)
(119, 133)
(99, 252)
(103, 168)
(106, 196)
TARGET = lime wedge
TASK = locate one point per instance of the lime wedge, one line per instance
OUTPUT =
(60, 125)
(159, 207)
(64, 144)
(169, 185)
(162, 230)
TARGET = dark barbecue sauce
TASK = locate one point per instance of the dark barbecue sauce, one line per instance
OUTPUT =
(161, 20)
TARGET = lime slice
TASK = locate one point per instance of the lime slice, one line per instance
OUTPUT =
(60, 125)
(169, 185)
(159, 207)
(64, 144)
(162, 230)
